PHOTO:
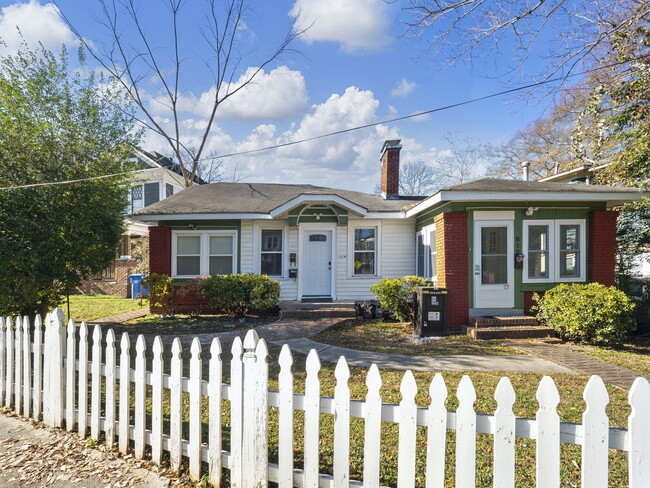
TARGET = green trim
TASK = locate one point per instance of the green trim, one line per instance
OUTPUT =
(545, 286)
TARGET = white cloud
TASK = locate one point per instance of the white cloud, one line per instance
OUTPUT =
(36, 23)
(279, 94)
(358, 25)
(403, 88)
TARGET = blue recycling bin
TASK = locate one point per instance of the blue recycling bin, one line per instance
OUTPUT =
(136, 285)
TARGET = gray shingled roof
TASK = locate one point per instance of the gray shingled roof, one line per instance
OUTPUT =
(218, 198)
(499, 185)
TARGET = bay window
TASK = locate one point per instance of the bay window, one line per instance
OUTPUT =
(555, 250)
(197, 253)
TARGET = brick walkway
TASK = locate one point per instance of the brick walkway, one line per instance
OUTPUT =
(121, 317)
(581, 363)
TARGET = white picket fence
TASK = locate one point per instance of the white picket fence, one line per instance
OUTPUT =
(52, 377)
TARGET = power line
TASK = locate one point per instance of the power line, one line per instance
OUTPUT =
(52, 183)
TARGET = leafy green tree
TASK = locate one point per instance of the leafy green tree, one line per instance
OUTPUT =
(58, 122)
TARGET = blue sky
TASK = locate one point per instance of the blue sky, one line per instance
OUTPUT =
(355, 65)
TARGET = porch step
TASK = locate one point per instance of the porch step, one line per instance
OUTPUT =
(503, 321)
(510, 332)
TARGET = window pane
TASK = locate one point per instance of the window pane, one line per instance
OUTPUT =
(364, 263)
(433, 254)
(537, 264)
(221, 244)
(188, 245)
(569, 237)
(272, 264)
(317, 238)
(271, 240)
(494, 240)
(420, 263)
(220, 265)
(538, 237)
(188, 265)
(569, 264)
(364, 239)
(495, 270)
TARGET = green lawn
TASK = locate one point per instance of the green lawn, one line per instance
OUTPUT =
(396, 338)
(185, 324)
(91, 307)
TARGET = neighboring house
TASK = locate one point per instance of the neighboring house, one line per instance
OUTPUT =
(158, 179)
(324, 243)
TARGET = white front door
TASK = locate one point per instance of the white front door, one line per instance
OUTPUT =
(317, 264)
(494, 264)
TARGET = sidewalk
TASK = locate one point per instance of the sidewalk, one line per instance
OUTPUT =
(40, 457)
(121, 317)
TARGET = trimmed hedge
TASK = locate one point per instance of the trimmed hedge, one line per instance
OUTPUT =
(396, 295)
(590, 313)
(240, 294)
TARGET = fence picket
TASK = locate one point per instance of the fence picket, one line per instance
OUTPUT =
(82, 388)
(196, 370)
(504, 435)
(436, 433)
(9, 370)
(249, 409)
(312, 420)
(27, 368)
(548, 435)
(261, 458)
(140, 386)
(408, 411)
(465, 434)
(96, 383)
(125, 394)
(55, 371)
(595, 453)
(175, 407)
(70, 376)
(341, 425)
(236, 408)
(285, 419)
(157, 401)
(638, 426)
(18, 366)
(214, 414)
(2, 360)
(37, 395)
(372, 428)
(110, 388)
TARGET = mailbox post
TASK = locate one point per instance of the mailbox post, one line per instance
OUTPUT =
(430, 311)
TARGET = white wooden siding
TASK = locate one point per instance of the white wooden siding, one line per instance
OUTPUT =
(247, 237)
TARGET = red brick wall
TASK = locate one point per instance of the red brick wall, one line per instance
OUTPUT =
(452, 264)
(390, 171)
(119, 286)
(529, 302)
(602, 247)
(160, 250)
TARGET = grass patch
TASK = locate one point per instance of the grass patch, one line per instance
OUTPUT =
(634, 354)
(92, 307)
(397, 338)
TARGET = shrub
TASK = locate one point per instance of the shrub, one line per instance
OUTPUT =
(160, 292)
(239, 294)
(192, 292)
(396, 295)
(590, 313)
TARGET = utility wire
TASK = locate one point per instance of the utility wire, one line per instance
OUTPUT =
(360, 127)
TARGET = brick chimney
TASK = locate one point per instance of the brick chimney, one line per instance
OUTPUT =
(390, 169)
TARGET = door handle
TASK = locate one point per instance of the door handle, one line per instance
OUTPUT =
(329, 265)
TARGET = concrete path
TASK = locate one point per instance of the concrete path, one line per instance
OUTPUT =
(39, 457)
(121, 317)
(581, 363)
(520, 363)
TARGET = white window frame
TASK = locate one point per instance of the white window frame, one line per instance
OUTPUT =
(257, 249)
(205, 248)
(554, 250)
(425, 232)
(364, 225)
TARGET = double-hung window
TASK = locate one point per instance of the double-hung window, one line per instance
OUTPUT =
(271, 252)
(204, 253)
(426, 253)
(365, 251)
(555, 250)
